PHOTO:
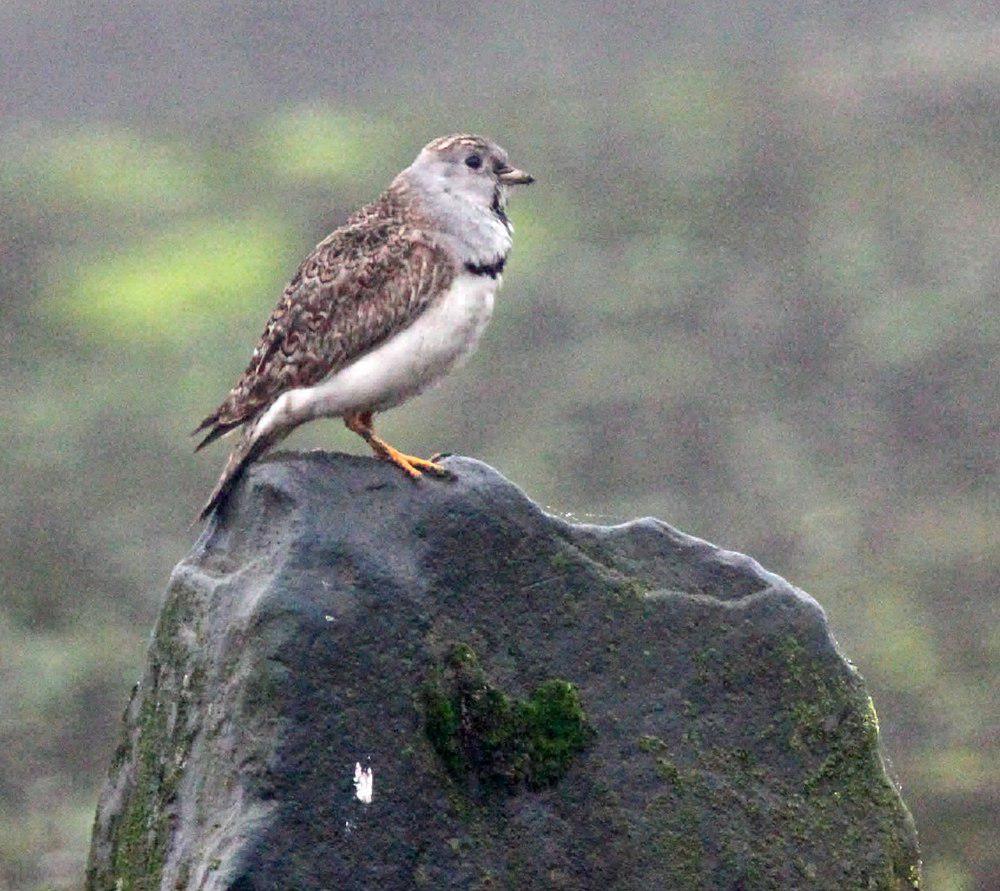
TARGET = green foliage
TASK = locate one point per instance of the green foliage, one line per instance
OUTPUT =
(313, 143)
(503, 742)
(106, 169)
(179, 279)
(693, 113)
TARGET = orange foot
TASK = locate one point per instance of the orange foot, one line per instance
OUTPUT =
(414, 467)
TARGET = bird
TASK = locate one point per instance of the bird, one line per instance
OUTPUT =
(381, 309)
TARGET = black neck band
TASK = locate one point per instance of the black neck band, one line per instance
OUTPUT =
(491, 269)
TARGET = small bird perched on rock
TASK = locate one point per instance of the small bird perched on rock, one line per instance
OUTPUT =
(381, 309)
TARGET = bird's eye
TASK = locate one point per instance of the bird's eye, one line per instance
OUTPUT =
(474, 161)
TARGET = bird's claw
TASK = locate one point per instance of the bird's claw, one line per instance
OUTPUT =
(424, 466)
(416, 467)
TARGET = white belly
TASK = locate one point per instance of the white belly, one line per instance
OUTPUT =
(417, 357)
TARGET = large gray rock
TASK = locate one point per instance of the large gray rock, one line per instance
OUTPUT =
(541, 705)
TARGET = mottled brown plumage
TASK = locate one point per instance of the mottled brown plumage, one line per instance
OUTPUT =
(357, 286)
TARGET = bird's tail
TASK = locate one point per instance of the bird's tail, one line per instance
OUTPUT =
(216, 428)
(250, 447)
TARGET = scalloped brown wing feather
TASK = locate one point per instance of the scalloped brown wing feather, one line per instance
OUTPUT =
(359, 286)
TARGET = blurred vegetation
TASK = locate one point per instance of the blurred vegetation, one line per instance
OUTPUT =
(758, 302)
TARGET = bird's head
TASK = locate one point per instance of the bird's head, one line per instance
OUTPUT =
(467, 167)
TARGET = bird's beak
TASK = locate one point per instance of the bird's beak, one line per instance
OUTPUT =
(511, 176)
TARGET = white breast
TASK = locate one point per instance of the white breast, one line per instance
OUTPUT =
(412, 360)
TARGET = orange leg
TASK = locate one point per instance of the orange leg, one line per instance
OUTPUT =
(361, 423)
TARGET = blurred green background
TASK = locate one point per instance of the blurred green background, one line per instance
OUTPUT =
(754, 293)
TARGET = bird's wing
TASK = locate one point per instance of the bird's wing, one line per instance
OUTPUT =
(358, 287)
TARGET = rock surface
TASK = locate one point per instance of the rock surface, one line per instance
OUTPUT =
(540, 705)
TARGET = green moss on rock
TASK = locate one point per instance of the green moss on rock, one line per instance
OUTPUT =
(165, 728)
(503, 742)
(783, 828)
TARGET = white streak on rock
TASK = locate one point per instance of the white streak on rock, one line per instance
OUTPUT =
(363, 780)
